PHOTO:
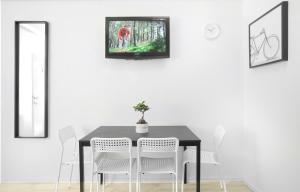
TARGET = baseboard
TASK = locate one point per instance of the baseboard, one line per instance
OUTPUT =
(216, 179)
(126, 181)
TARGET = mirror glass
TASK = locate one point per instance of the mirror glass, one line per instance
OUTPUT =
(31, 85)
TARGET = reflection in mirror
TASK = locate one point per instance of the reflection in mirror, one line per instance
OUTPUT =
(31, 79)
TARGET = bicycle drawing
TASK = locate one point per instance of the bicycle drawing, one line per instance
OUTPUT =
(267, 45)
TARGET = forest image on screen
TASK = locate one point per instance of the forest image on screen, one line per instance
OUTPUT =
(137, 36)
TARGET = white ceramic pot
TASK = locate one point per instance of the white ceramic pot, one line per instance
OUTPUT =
(142, 128)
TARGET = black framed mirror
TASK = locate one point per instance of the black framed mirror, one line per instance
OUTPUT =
(31, 79)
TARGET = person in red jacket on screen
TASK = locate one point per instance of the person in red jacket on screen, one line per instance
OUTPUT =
(123, 35)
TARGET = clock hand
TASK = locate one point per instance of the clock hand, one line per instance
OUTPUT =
(211, 29)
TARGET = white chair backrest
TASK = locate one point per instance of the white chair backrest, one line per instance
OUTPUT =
(119, 145)
(66, 134)
(150, 145)
(219, 136)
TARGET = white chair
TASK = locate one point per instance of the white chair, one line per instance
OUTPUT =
(207, 157)
(103, 151)
(150, 165)
(67, 134)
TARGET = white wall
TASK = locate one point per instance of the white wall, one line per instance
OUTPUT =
(200, 85)
(272, 108)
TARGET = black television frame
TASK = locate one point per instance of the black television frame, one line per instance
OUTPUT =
(128, 55)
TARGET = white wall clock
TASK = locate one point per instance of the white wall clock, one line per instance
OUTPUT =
(212, 31)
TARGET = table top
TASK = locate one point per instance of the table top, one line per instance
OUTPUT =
(183, 133)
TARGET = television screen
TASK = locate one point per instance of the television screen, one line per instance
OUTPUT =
(137, 37)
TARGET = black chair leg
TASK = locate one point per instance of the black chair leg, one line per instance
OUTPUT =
(101, 178)
(185, 169)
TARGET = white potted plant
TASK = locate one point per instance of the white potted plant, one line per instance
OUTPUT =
(141, 125)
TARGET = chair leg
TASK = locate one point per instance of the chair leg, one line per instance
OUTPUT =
(130, 182)
(140, 182)
(182, 179)
(224, 186)
(222, 182)
(137, 182)
(103, 183)
(92, 179)
(220, 177)
(58, 178)
(98, 181)
(71, 174)
(176, 181)
(173, 182)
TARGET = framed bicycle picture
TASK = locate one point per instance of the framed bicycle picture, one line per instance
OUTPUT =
(268, 37)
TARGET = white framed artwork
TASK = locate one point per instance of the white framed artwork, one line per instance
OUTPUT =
(268, 37)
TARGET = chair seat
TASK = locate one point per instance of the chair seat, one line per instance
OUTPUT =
(75, 160)
(207, 157)
(158, 165)
(114, 165)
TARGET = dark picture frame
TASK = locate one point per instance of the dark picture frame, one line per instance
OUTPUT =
(265, 46)
(137, 56)
(17, 72)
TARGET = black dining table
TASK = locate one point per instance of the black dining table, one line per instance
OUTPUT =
(183, 133)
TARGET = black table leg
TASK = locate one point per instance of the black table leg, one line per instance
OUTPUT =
(198, 166)
(185, 169)
(101, 178)
(81, 167)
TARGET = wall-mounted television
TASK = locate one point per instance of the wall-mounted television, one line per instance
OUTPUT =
(137, 37)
